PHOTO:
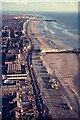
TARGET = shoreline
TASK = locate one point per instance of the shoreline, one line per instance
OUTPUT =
(47, 38)
(65, 64)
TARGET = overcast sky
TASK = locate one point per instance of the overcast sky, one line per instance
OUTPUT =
(40, 5)
(39, 0)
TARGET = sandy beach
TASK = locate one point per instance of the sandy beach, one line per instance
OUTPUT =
(66, 68)
(65, 65)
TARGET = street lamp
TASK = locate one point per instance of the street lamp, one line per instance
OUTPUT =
(21, 114)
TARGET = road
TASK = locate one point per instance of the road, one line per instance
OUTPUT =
(42, 109)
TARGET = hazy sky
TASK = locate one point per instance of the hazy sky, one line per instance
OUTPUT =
(39, 0)
(40, 5)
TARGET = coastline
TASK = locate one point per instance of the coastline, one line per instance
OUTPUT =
(45, 38)
(42, 80)
(65, 65)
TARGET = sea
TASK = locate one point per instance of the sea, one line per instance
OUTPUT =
(64, 29)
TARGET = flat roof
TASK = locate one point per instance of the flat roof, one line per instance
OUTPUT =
(16, 78)
(17, 75)
(9, 86)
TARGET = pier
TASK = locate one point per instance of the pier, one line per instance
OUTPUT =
(60, 51)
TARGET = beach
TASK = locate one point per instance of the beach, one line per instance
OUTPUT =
(49, 65)
(64, 64)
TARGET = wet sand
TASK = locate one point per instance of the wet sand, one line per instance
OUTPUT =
(60, 44)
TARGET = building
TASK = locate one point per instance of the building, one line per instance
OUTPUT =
(8, 90)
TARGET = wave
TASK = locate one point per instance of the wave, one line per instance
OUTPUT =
(70, 34)
(52, 32)
(67, 31)
(55, 23)
(48, 29)
(64, 26)
(57, 27)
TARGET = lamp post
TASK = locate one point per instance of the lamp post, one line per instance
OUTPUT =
(21, 114)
